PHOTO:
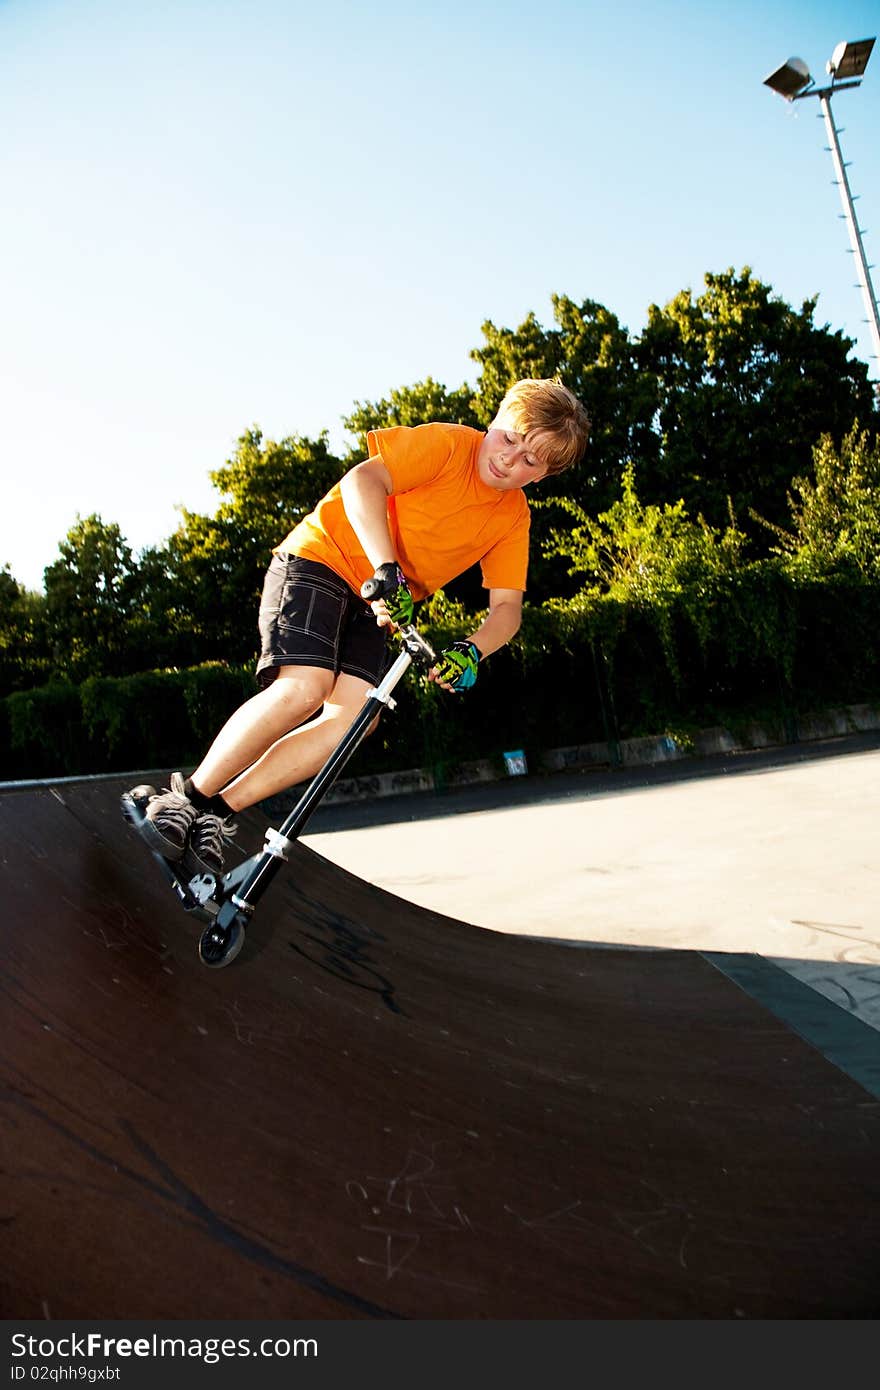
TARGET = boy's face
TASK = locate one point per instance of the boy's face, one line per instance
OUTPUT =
(508, 460)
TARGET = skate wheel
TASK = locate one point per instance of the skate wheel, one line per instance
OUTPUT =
(220, 945)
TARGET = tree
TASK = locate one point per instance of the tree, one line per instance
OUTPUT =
(209, 574)
(24, 655)
(639, 552)
(89, 594)
(593, 355)
(652, 561)
(744, 385)
(420, 404)
(835, 513)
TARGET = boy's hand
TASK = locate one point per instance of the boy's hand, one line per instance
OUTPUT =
(389, 596)
(457, 667)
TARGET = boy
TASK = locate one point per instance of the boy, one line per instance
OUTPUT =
(427, 503)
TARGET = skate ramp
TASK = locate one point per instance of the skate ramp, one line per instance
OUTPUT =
(378, 1112)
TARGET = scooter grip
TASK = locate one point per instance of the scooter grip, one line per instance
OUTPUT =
(372, 589)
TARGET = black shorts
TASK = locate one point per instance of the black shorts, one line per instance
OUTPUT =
(310, 617)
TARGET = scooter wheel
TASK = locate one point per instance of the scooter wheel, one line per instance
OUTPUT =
(141, 795)
(218, 946)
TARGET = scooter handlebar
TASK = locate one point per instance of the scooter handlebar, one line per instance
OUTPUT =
(411, 639)
(422, 652)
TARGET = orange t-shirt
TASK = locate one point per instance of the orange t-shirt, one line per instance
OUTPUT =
(442, 517)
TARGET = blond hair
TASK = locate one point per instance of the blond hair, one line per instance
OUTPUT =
(544, 404)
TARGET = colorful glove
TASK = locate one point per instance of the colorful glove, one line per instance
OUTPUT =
(394, 589)
(458, 665)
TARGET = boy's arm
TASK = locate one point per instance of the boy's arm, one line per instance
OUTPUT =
(502, 623)
(365, 491)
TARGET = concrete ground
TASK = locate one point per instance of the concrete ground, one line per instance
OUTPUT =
(774, 853)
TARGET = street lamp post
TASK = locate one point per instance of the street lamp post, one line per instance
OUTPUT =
(793, 82)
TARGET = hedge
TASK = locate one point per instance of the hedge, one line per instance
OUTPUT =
(114, 724)
(762, 644)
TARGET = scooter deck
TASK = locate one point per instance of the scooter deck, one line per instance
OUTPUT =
(184, 889)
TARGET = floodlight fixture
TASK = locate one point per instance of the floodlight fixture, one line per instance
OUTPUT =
(845, 67)
(790, 79)
(849, 59)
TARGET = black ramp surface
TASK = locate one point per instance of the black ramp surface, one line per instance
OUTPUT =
(377, 1112)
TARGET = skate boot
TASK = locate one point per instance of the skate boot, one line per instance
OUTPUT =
(208, 836)
(168, 819)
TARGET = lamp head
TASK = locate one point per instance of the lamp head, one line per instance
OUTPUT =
(849, 59)
(790, 79)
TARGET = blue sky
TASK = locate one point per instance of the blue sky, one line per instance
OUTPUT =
(260, 211)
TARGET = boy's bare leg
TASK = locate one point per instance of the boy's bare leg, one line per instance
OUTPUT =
(294, 695)
(298, 755)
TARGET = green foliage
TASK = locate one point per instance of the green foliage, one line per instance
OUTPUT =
(647, 608)
(207, 579)
(442, 620)
(593, 354)
(89, 596)
(45, 732)
(649, 558)
(267, 487)
(835, 514)
(119, 723)
(132, 716)
(211, 693)
(510, 354)
(644, 553)
(421, 404)
(744, 386)
(24, 651)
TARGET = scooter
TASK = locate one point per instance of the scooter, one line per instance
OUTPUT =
(227, 904)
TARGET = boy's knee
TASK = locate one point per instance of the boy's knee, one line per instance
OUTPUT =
(303, 689)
